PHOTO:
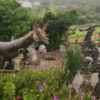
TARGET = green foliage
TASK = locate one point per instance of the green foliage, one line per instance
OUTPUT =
(56, 29)
(71, 32)
(27, 84)
(32, 84)
(5, 81)
(75, 33)
(88, 96)
(9, 91)
(88, 10)
(73, 61)
(14, 19)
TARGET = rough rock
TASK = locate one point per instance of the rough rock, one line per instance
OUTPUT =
(62, 50)
(42, 51)
(89, 58)
(43, 48)
(91, 65)
(77, 82)
(91, 54)
(96, 91)
(84, 83)
(94, 79)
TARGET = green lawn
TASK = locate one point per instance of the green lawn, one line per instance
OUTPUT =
(82, 33)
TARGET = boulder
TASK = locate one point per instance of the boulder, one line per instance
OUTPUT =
(94, 79)
(42, 51)
(84, 83)
(62, 50)
(96, 91)
(77, 82)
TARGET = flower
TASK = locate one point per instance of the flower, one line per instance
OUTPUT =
(55, 98)
(37, 68)
(18, 97)
(93, 97)
(47, 68)
(34, 53)
(70, 85)
(69, 96)
(44, 83)
(29, 66)
(56, 61)
(41, 89)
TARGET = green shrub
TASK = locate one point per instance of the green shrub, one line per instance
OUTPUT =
(15, 19)
(31, 84)
(36, 84)
(88, 96)
(59, 25)
(9, 91)
(73, 61)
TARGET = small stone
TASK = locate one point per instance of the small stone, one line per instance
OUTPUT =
(89, 58)
(62, 48)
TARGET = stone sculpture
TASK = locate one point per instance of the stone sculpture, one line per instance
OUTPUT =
(9, 50)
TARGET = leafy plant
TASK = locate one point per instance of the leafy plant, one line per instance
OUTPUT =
(9, 91)
(31, 84)
(73, 61)
(59, 25)
(36, 84)
(88, 96)
(15, 19)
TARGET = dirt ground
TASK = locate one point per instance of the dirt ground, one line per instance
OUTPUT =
(43, 62)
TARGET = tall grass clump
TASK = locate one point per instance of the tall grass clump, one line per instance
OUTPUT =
(73, 61)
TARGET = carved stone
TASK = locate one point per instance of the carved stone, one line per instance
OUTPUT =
(92, 64)
(9, 50)
(89, 48)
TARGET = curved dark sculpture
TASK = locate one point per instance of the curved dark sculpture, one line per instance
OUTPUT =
(90, 30)
(9, 50)
(89, 48)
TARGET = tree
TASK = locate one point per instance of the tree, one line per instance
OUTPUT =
(14, 19)
(60, 24)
